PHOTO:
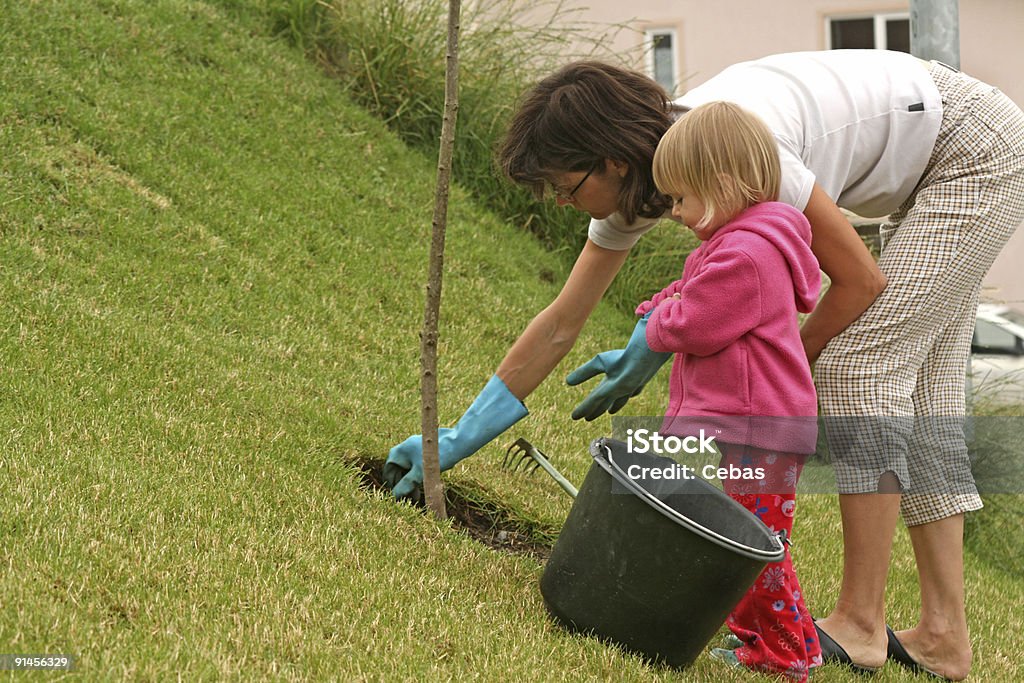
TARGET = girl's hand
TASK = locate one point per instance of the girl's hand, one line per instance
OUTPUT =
(675, 297)
(671, 291)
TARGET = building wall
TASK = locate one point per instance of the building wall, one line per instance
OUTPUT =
(713, 34)
(991, 49)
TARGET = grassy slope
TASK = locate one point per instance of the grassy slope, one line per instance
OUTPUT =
(211, 270)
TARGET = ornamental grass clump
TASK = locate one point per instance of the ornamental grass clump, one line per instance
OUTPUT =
(389, 57)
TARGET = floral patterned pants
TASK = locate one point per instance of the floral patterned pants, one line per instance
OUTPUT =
(771, 619)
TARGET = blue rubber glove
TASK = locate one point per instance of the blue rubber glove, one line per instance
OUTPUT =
(626, 372)
(494, 410)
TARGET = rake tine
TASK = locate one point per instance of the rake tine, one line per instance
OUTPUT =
(525, 451)
(509, 457)
(515, 456)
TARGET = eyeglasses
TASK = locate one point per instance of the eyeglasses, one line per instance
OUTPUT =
(569, 196)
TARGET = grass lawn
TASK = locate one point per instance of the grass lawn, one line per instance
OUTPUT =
(212, 271)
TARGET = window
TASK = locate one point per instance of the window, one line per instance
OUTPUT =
(661, 57)
(878, 31)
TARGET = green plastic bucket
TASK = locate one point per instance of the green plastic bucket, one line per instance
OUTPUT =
(653, 565)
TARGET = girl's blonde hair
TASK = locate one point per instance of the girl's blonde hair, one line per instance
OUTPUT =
(724, 154)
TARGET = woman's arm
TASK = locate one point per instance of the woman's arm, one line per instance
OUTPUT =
(533, 356)
(552, 333)
(856, 279)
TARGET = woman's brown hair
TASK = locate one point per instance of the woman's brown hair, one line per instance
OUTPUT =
(579, 116)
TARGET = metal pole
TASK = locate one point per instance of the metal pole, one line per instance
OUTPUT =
(935, 34)
(935, 30)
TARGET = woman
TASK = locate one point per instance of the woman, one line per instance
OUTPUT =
(875, 132)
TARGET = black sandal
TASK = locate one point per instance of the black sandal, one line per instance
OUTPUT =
(833, 653)
(897, 653)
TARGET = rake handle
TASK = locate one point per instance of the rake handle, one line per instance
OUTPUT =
(542, 460)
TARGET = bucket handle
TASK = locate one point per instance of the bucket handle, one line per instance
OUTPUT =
(674, 515)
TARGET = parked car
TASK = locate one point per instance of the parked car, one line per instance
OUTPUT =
(997, 355)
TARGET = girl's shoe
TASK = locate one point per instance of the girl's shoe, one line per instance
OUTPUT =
(730, 658)
(731, 642)
(727, 656)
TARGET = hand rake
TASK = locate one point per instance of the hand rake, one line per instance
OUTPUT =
(523, 454)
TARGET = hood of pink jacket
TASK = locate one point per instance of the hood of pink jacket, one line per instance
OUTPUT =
(775, 222)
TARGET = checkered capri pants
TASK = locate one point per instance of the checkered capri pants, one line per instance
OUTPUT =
(892, 385)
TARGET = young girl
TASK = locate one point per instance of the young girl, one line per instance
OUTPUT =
(740, 365)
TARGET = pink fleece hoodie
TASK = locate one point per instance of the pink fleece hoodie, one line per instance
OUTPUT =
(735, 334)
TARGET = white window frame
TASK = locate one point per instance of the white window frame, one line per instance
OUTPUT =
(649, 35)
(880, 18)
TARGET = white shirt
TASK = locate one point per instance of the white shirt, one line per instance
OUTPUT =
(860, 123)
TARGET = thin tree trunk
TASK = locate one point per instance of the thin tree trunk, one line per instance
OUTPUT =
(433, 489)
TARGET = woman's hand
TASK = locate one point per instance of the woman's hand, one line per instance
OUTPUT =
(494, 410)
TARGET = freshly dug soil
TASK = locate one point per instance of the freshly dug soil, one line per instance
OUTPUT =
(483, 522)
